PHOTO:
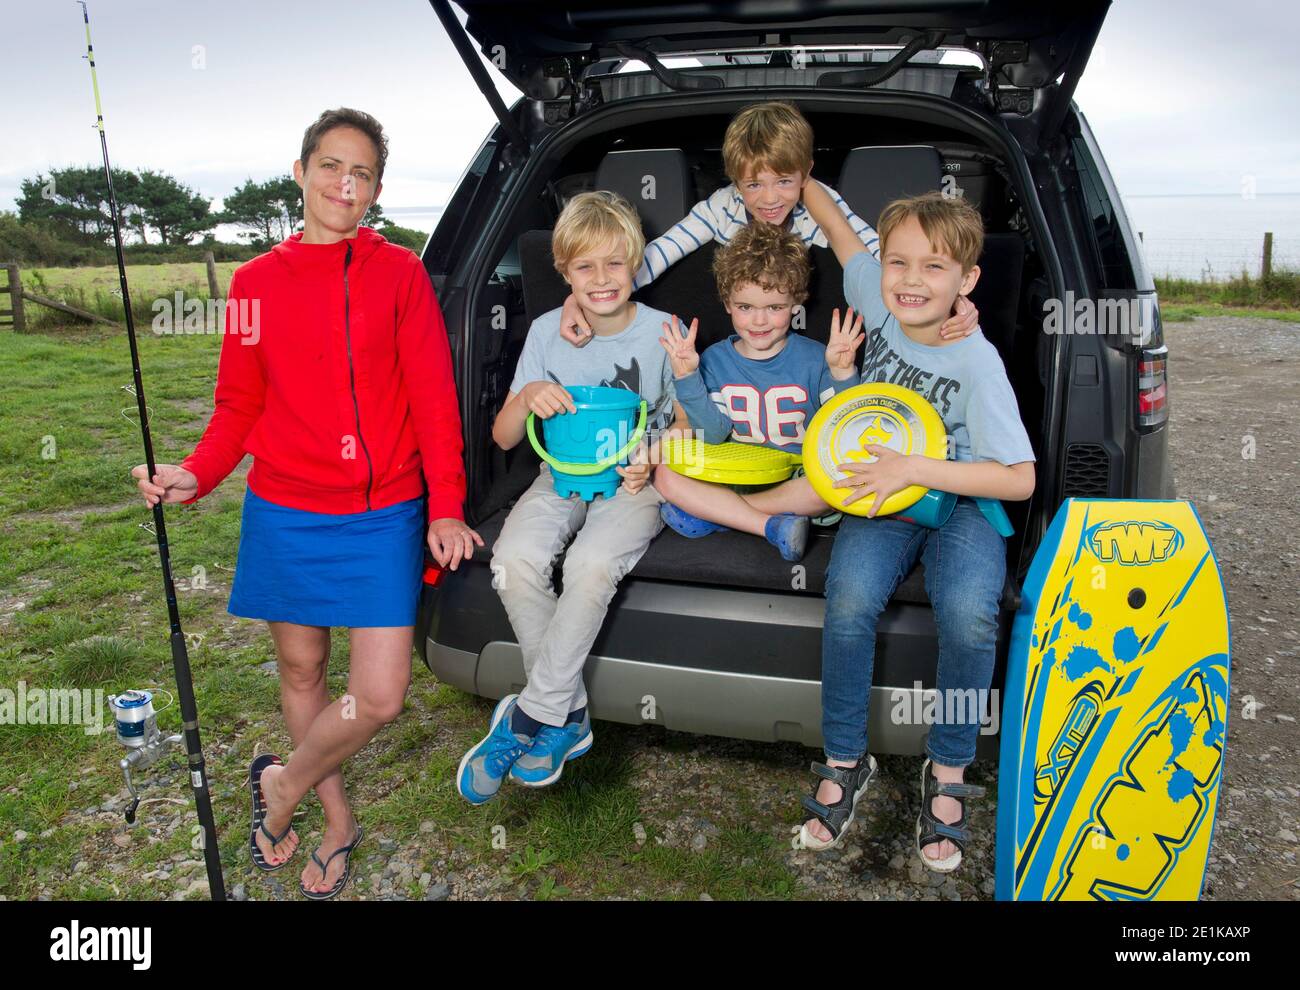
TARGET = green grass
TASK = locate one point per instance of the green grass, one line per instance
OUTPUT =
(1278, 291)
(98, 290)
(1176, 312)
(73, 553)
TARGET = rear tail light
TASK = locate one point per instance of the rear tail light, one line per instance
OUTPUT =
(1152, 388)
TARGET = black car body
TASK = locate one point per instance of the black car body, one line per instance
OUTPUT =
(720, 635)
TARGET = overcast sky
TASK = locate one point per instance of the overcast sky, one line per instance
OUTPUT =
(1185, 97)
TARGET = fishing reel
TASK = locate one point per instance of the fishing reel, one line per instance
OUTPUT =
(137, 730)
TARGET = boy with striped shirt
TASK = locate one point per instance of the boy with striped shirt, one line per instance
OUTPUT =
(767, 152)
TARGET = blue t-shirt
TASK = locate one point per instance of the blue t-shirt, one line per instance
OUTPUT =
(964, 381)
(632, 359)
(767, 402)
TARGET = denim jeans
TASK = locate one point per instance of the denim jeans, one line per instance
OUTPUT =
(965, 566)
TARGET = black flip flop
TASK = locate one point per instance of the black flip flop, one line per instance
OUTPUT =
(259, 814)
(342, 881)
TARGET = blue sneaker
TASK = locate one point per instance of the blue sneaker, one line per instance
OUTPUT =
(544, 762)
(689, 526)
(789, 534)
(484, 766)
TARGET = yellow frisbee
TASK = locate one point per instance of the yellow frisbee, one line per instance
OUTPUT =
(875, 414)
(728, 463)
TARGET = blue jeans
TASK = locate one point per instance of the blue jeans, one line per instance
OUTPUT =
(965, 566)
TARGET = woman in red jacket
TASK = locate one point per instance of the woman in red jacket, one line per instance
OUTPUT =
(335, 374)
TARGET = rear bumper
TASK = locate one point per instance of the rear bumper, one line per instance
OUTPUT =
(715, 661)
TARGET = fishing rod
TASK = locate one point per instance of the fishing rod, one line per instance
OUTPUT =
(132, 709)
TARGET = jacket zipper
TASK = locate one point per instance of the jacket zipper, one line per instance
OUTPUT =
(352, 375)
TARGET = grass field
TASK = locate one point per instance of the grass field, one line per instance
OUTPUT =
(99, 291)
(81, 605)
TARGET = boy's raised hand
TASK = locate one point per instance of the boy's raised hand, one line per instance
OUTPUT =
(843, 344)
(546, 399)
(963, 323)
(573, 324)
(681, 349)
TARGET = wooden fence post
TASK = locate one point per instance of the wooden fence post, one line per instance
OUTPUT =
(15, 291)
(1266, 269)
(214, 292)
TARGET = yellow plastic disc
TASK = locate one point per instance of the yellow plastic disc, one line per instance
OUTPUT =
(875, 414)
(728, 463)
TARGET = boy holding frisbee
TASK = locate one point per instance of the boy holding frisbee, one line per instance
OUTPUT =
(929, 248)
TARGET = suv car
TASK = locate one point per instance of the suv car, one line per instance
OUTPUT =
(975, 99)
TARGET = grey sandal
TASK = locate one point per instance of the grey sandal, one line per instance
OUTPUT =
(837, 817)
(930, 829)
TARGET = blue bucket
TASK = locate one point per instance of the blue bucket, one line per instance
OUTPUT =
(931, 510)
(585, 447)
(935, 507)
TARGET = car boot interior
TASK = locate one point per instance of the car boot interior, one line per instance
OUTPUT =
(869, 160)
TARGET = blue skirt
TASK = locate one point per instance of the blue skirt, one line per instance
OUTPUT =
(319, 569)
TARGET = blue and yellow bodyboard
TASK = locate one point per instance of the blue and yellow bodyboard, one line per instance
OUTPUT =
(1115, 708)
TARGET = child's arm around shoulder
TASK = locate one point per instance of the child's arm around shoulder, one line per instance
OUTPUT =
(708, 220)
(861, 228)
(834, 224)
(862, 286)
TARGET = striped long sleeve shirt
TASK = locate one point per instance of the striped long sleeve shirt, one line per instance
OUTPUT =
(721, 216)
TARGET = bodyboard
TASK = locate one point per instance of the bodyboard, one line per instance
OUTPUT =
(1115, 708)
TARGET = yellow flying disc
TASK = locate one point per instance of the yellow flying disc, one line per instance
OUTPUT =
(728, 463)
(875, 414)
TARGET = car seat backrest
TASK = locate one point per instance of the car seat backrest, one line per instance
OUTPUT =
(825, 295)
(544, 287)
(872, 177)
(657, 181)
(997, 293)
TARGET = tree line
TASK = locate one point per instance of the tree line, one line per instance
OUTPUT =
(155, 205)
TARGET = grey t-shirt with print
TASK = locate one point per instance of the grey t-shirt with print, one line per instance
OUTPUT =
(632, 359)
(964, 381)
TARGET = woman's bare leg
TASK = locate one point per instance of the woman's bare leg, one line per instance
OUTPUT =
(377, 682)
(303, 653)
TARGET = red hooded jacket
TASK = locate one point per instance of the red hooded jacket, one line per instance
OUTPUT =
(335, 374)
